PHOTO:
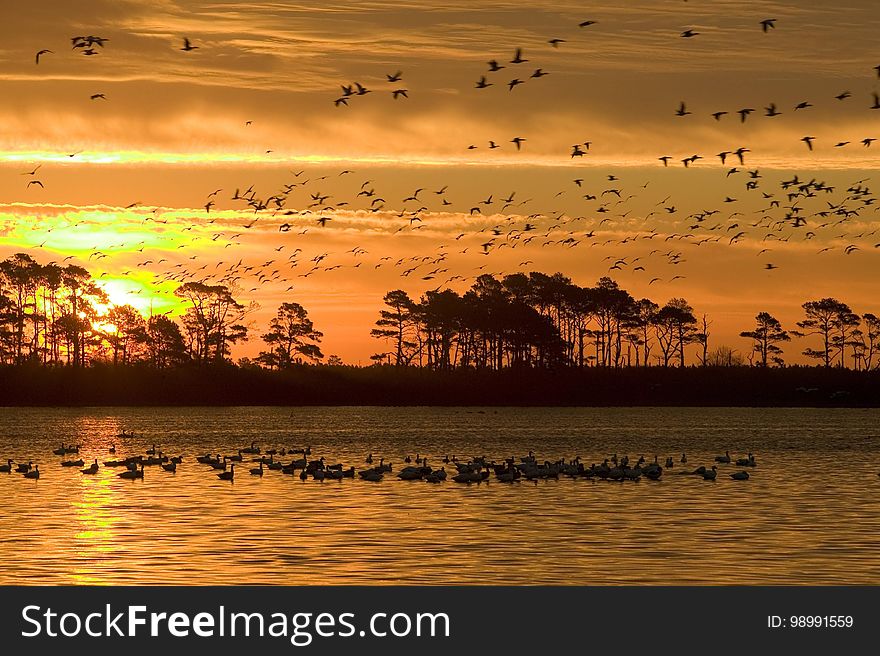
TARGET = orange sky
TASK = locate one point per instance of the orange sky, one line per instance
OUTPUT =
(172, 128)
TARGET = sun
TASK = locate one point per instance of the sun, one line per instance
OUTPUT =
(140, 294)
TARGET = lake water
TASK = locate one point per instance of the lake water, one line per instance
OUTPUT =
(809, 514)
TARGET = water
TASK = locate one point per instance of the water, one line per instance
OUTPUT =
(809, 514)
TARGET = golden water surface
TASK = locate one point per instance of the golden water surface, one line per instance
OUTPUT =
(809, 514)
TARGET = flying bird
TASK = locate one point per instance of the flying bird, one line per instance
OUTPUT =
(768, 24)
(42, 52)
(187, 46)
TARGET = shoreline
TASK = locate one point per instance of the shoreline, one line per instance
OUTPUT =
(107, 386)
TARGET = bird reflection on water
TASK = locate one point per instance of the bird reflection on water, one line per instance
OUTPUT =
(792, 519)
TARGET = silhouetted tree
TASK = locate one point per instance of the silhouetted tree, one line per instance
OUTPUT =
(126, 333)
(702, 338)
(164, 342)
(675, 328)
(291, 337)
(212, 321)
(870, 340)
(766, 335)
(397, 324)
(78, 312)
(725, 356)
(643, 320)
(830, 319)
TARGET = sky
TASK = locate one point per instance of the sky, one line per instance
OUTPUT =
(124, 177)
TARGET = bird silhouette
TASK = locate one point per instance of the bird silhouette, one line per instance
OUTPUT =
(187, 45)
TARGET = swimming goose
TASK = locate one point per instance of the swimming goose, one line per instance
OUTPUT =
(318, 475)
(710, 474)
(91, 469)
(258, 471)
(684, 458)
(740, 476)
(746, 462)
(227, 475)
(372, 475)
(253, 448)
(61, 451)
(7, 468)
(304, 474)
(410, 474)
(468, 477)
(369, 459)
(235, 458)
(724, 459)
(436, 476)
(151, 452)
(35, 473)
(170, 467)
(112, 448)
(73, 463)
(131, 474)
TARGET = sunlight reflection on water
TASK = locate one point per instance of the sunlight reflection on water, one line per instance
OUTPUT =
(809, 514)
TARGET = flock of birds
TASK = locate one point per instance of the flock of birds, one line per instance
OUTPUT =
(473, 470)
(760, 209)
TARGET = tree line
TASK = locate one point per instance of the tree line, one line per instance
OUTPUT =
(56, 315)
(59, 315)
(540, 320)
